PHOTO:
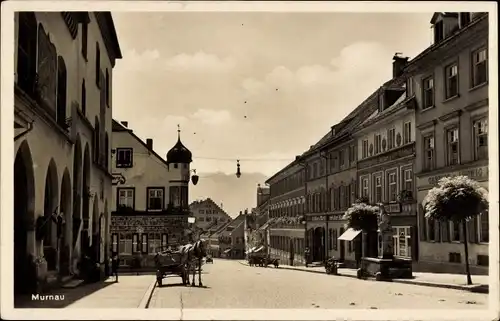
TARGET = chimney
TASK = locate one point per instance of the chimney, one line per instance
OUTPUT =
(398, 64)
(149, 143)
(125, 123)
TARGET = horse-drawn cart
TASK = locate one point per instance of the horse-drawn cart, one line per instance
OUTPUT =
(170, 263)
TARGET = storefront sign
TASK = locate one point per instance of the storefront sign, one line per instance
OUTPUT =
(390, 156)
(318, 218)
(474, 173)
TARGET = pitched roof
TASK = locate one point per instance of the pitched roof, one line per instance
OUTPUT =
(117, 127)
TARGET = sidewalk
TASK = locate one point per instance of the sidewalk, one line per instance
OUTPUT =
(440, 280)
(127, 293)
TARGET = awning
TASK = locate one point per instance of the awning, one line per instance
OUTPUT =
(227, 251)
(349, 235)
(259, 249)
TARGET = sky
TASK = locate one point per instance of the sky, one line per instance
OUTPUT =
(256, 86)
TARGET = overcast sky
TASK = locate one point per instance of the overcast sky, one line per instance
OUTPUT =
(252, 85)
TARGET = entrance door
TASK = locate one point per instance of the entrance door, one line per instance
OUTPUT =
(342, 246)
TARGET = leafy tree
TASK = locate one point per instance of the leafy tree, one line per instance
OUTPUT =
(361, 216)
(457, 199)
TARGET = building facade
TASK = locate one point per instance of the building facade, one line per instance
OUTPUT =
(386, 149)
(150, 196)
(208, 214)
(63, 104)
(232, 238)
(286, 210)
(450, 83)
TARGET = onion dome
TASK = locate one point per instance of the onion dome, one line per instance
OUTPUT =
(179, 153)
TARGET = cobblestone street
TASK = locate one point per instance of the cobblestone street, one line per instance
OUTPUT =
(230, 284)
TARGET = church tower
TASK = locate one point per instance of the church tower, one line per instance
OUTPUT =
(179, 159)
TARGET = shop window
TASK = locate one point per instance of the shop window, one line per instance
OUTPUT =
(402, 241)
(483, 260)
(454, 257)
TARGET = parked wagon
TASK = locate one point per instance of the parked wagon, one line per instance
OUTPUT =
(169, 263)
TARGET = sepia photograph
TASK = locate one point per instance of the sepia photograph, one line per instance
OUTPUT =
(249, 160)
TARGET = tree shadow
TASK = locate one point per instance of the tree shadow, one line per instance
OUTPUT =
(59, 297)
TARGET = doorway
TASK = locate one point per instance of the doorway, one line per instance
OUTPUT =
(23, 209)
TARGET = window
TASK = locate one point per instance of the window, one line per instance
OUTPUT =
(84, 98)
(378, 189)
(451, 81)
(126, 244)
(483, 260)
(454, 257)
(126, 197)
(402, 241)
(155, 199)
(378, 143)
(315, 170)
(407, 133)
(391, 138)
(484, 233)
(144, 243)
(455, 231)
(135, 243)
(365, 189)
(438, 31)
(61, 93)
(429, 152)
(452, 147)
(334, 240)
(479, 67)
(106, 86)
(26, 51)
(481, 139)
(202, 211)
(342, 158)
(431, 230)
(393, 187)
(124, 157)
(114, 242)
(364, 151)
(463, 19)
(84, 39)
(97, 65)
(164, 240)
(352, 153)
(408, 180)
(428, 99)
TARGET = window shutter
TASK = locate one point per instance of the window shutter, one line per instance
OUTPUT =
(414, 243)
(445, 231)
(422, 223)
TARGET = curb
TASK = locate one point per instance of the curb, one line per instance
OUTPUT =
(480, 288)
(147, 296)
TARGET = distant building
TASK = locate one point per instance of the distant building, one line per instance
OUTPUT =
(208, 214)
(450, 83)
(232, 238)
(63, 66)
(150, 196)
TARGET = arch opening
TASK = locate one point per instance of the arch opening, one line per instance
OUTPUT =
(24, 203)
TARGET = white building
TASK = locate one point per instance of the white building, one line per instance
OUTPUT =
(208, 214)
(150, 195)
(63, 106)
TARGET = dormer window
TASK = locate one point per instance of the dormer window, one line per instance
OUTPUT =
(464, 19)
(438, 31)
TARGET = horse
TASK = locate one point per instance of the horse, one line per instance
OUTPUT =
(193, 255)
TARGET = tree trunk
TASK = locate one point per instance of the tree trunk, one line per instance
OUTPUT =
(466, 250)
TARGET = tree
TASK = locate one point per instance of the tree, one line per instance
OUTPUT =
(457, 199)
(361, 216)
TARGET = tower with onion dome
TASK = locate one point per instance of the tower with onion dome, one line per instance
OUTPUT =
(179, 159)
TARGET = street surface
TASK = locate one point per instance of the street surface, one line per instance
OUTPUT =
(230, 284)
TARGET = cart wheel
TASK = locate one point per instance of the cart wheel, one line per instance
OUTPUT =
(159, 281)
